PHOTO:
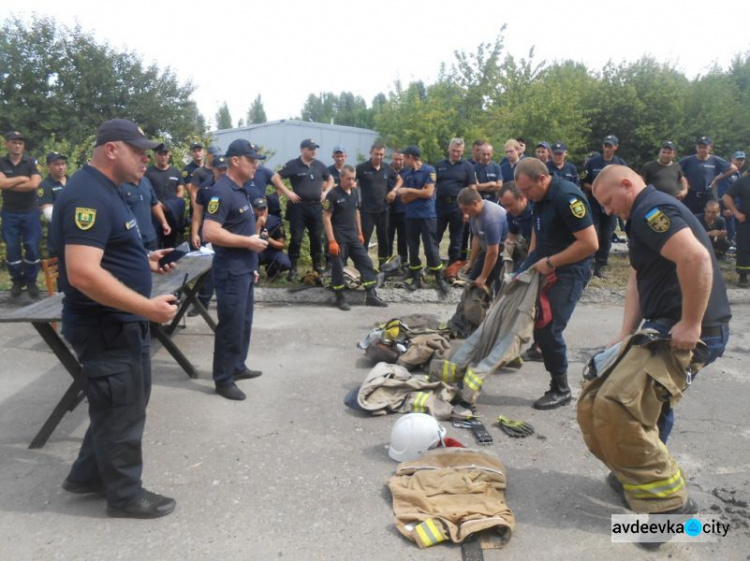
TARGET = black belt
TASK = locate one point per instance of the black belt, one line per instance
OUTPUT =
(303, 202)
(706, 331)
(447, 200)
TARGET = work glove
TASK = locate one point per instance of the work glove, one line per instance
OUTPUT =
(361, 238)
(333, 248)
(515, 429)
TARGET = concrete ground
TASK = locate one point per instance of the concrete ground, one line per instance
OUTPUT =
(291, 473)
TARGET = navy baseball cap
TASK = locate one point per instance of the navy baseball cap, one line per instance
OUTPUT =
(543, 144)
(558, 148)
(309, 143)
(14, 135)
(214, 150)
(669, 144)
(52, 156)
(412, 151)
(260, 203)
(196, 145)
(164, 148)
(704, 140)
(126, 131)
(242, 147)
(220, 162)
(611, 139)
(337, 149)
(739, 155)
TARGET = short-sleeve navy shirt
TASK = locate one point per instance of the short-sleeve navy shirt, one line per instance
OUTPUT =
(485, 174)
(229, 205)
(188, 171)
(567, 172)
(307, 181)
(562, 212)
(521, 224)
(256, 187)
(48, 190)
(141, 199)
(417, 179)
(654, 219)
(451, 178)
(165, 181)
(91, 212)
(343, 208)
(373, 185)
(19, 201)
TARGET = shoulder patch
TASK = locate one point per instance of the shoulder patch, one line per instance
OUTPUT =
(40, 192)
(85, 218)
(184, 173)
(658, 221)
(433, 176)
(213, 205)
(577, 208)
(327, 204)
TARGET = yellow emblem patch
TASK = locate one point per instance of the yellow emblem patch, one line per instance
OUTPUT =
(213, 205)
(85, 218)
(433, 176)
(658, 221)
(326, 204)
(577, 208)
(40, 192)
(184, 173)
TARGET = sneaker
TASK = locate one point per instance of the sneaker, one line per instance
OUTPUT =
(231, 391)
(33, 290)
(149, 505)
(16, 289)
(247, 374)
(532, 354)
(95, 487)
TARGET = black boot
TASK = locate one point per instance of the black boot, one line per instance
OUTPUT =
(372, 299)
(743, 279)
(291, 276)
(557, 395)
(341, 302)
(443, 287)
(598, 271)
(416, 280)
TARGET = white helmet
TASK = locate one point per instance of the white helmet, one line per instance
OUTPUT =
(414, 434)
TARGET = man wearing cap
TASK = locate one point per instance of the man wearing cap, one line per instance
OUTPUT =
(559, 167)
(339, 159)
(562, 243)
(345, 239)
(375, 177)
(105, 275)
(19, 181)
(397, 211)
(271, 228)
(737, 200)
(311, 182)
(542, 151)
(418, 194)
(604, 223)
(170, 190)
(453, 174)
(738, 160)
(46, 193)
(703, 172)
(231, 229)
(142, 201)
(489, 174)
(665, 174)
(196, 152)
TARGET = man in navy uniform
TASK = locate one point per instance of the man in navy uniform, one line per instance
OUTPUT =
(311, 182)
(19, 180)
(563, 240)
(374, 178)
(339, 159)
(196, 152)
(703, 172)
(170, 190)
(230, 228)
(604, 224)
(53, 184)
(489, 174)
(273, 257)
(142, 201)
(453, 174)
(397, 212)
(105, 274)
(559, 167)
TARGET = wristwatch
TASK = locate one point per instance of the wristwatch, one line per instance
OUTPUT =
(549, 263)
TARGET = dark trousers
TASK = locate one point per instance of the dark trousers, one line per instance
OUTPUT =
(310, 216)
(362, 262)
(234, 307)
(22, 234)
(424, 229)
(379, 222)
(116, 363)
(605, 227)
(716, 346)
(397, 232)
(275, 260)
(494, 280)
(563, 297)
(452, 218)
(743, 247)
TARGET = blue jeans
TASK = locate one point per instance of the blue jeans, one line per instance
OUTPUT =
(234, 307)
(716, 346)
(22, 229)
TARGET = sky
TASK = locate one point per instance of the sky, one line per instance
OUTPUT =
(285, 50)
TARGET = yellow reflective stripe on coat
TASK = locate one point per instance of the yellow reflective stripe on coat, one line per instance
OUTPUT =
(449, 372)
(656, 489)
(428, 533)
(420, 400)
(472, 380)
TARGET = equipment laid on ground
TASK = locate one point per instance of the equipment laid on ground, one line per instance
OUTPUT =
(515, 429)
(413, 435)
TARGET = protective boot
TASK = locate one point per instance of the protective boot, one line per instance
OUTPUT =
(341, 302)
(443, 287)
(416, 280)
(292, 276)
(372, 299)
(557, 395)
(743, 279)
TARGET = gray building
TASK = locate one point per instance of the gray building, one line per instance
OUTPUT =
(281, 139)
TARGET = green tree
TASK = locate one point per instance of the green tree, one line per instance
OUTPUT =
(256, 113)
(223, 117)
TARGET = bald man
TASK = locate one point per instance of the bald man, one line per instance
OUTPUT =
(675, 283)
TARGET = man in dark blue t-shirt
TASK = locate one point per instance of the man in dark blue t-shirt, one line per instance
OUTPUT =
(105, 274)
(703, 172)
